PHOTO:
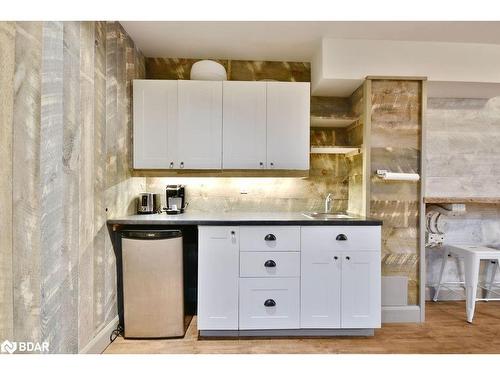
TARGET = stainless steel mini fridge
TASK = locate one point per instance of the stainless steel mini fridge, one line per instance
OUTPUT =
(153, 287)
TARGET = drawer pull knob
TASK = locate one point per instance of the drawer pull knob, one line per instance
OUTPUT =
(341, 237)
(348, 258)
(270, 263)
(270, 303)
(270, 237)
(335, 257)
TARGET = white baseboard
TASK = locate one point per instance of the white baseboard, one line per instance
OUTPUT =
(401, 314)
(101, 341)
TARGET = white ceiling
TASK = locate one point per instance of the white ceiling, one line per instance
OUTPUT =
(288, 41)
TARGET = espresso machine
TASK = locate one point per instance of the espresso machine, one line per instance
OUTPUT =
(148, 203)
(175, 199)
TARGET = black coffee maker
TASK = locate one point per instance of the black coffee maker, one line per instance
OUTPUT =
(175, 199)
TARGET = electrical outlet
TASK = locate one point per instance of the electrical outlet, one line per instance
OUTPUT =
(435, 238)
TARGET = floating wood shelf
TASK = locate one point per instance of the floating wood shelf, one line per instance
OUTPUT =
(332, 122)
(461, 200)
(345, 150)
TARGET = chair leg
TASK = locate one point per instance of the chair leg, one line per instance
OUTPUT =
(446, 253)
(492, 269)
(460, 270)
(471, 280)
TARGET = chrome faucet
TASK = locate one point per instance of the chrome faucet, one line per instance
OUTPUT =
(328, 202)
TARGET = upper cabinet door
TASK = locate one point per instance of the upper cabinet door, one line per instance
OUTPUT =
(361, 289)
(155, 120)
(199, 131)
(244, 125)
(288, 117)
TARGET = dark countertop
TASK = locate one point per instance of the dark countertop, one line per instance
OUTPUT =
(238, 218)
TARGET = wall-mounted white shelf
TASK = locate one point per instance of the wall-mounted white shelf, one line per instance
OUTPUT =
(345, 150)
(332, 122)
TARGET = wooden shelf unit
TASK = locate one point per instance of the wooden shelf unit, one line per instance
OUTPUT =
(450, 200)
(344, 150)
(332, 122)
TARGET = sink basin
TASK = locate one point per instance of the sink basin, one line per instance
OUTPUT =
(326, 215)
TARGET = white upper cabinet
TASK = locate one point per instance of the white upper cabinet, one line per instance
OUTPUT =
(155, 120)
(214, 124)
(199, 130)
(244, 124)
(288, 113)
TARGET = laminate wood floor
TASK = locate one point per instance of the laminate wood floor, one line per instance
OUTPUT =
(445, 331)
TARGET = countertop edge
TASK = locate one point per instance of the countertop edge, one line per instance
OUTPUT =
(359, 222)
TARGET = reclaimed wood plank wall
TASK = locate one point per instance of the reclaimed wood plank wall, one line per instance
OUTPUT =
(65, 147)
(396, 121)
(463, 160)
(7, 66)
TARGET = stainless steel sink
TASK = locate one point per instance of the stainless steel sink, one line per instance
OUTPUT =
(326, 215)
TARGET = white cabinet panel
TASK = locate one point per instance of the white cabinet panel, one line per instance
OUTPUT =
(343, 238)
(199, 132)
(361, 290)
(288, 130)
(269, 264)
(340, 287)
(320, 289)
(155, 122)
(244, 125)
(270, 238)
(269, 303)
(218, 266)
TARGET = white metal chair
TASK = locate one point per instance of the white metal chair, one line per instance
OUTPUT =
(472, 256)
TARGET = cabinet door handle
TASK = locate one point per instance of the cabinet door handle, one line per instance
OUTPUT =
(270, 237)
(270, 303)
(341, 237)
(233, 234)
(348, 258)
(182, 164)
(270, 263)
(261, 164)
(335, 257)
(171, 164)
(272, 165)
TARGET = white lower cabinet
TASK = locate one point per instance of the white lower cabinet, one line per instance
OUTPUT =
(320, 286)
(331, 279)
(218, 278)
(361, 290)
(269, 264)
(340, 288)
(269, 303)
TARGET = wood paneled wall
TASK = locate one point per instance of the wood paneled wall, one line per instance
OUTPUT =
(463, 160)
(237, 70)
(396, 123)
(65, 148)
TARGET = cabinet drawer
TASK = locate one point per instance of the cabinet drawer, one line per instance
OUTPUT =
(270, 238)
(269, 303)
(269, 264)
(341, 238)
